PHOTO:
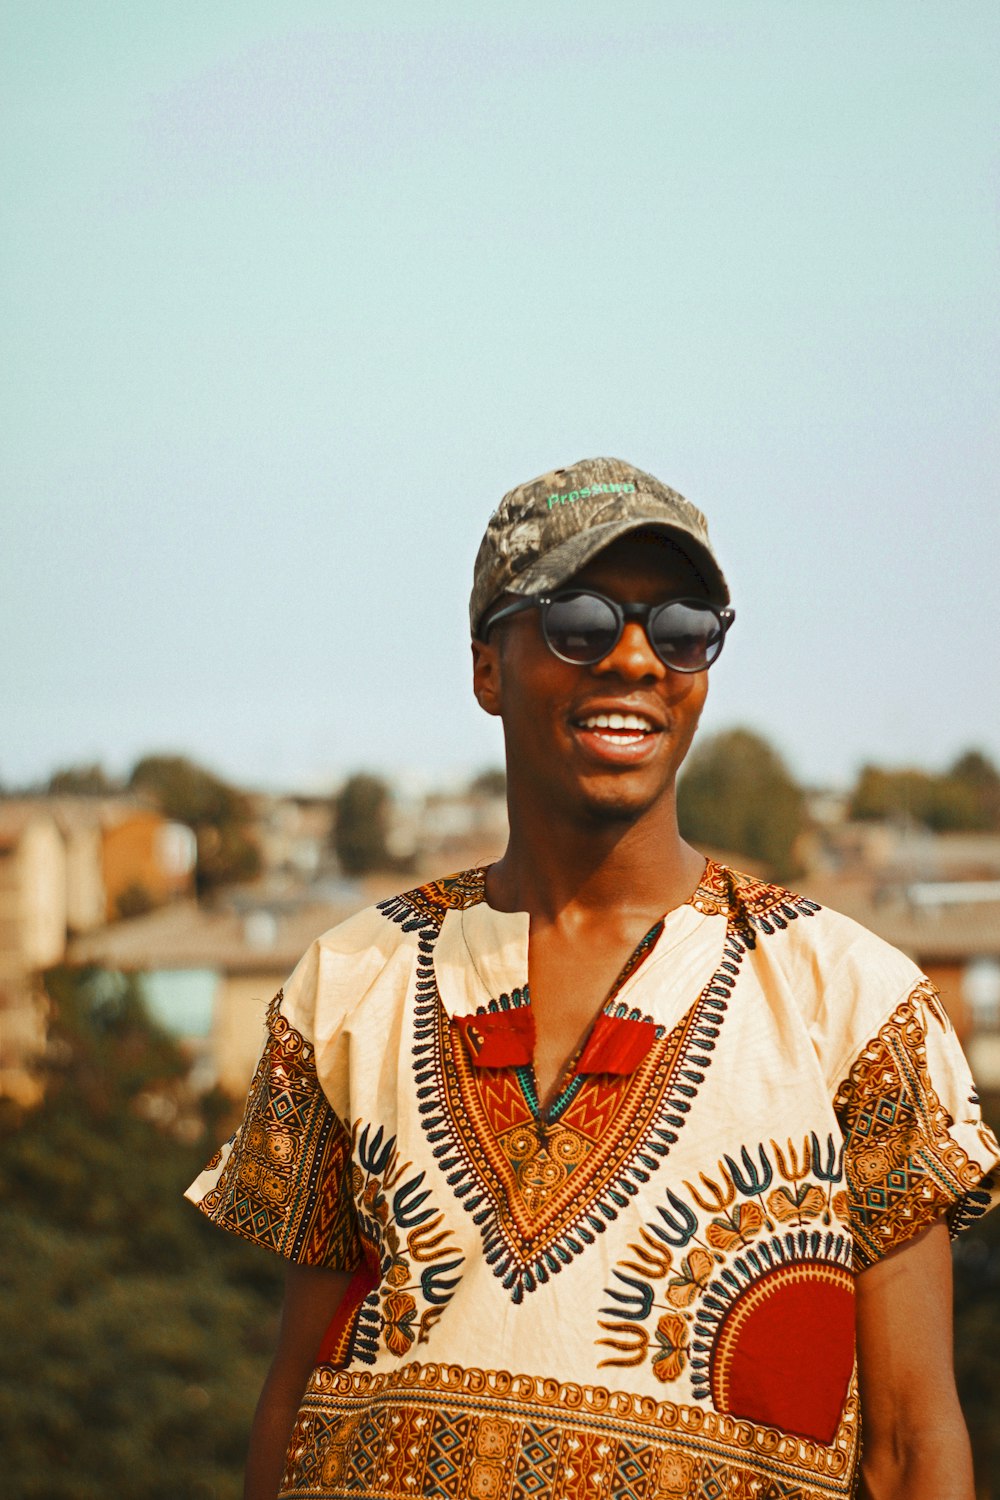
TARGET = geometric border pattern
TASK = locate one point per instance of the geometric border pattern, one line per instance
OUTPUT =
(450, 1433)
(286, 1184)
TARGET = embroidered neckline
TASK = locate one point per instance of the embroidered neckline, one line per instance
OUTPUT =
(540, 1199)
(615, 1042)
(709, 897)
(611, 1044)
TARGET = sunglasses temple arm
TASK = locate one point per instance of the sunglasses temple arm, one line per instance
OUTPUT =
(502, 614)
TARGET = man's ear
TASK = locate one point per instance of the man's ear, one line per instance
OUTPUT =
(486, 676)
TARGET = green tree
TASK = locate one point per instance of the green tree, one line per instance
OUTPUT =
(135, 1333)
(736, 794)
(490, 783)
(219, 814)
(880, 794)
(951, 807)
(83, 781)
(361, 815)
(966, 798)
(976, 773)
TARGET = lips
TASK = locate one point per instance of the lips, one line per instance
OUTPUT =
(619, 736)
(619, 724)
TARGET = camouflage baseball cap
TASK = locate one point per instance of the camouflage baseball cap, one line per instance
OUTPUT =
(545, 531)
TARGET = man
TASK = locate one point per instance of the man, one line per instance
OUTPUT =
(596, 1167)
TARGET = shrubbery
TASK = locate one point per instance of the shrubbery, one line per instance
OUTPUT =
(136, 1335)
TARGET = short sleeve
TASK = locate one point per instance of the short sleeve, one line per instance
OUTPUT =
(283, 1180)
(915, 1144)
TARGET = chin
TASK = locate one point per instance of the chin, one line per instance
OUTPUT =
(617, 803)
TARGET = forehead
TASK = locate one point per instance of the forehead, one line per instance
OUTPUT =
(644, 562)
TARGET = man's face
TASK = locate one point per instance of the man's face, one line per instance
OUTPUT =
(550, 709)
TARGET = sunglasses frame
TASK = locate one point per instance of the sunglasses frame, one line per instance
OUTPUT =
(622, 613)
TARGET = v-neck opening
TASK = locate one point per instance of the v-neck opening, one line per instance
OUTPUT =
(483, 974)
(569, 1080)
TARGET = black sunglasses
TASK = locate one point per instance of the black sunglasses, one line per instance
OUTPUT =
(583, 627)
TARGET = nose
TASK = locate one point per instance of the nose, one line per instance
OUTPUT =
(633, 658)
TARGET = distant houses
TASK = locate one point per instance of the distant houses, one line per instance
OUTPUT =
(70, 865)
(208, 973)
(937, 897)
(109, 882)
(33, 926)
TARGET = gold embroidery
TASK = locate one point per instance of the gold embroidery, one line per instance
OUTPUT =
(904, 1168)
(289, 1137)
(498, 1436)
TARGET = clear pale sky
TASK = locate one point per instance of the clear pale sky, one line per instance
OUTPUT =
(295, 291)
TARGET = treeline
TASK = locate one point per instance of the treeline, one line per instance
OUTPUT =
(136, 1335)
(963, 799)
(736, 794)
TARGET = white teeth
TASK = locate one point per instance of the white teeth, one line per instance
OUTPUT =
(619, 721)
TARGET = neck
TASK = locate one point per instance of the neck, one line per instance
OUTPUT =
(554, 863)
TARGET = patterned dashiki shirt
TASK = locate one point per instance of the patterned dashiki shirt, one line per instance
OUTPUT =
(645, 1291)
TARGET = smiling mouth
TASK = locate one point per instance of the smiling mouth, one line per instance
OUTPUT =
(619, 729)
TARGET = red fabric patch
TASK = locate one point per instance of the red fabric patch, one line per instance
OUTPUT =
(785, 1352)
(616, 1045)
(499, 1039)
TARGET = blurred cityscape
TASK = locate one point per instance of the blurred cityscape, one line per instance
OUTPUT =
(207, 895)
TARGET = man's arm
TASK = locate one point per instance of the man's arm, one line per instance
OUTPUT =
(312, 1296)
(914, 1442)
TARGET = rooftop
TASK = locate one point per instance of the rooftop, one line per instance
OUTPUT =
(954, 920)
(249, 931)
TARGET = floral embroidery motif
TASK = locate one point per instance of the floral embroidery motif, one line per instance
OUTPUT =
(672, 1339)
(762, 1285)
(415, 1265)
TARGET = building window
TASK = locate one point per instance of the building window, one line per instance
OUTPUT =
(981, 993)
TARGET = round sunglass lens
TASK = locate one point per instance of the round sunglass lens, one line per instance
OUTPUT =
(685, 636)
(580, 627)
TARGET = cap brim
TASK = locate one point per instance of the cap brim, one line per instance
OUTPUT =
(563, 562)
